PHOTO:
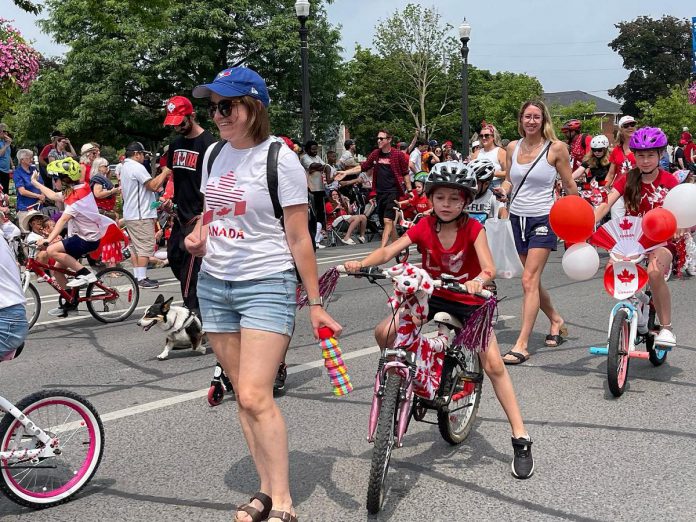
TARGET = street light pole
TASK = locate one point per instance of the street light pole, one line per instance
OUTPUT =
(464, 32)
(302, 10)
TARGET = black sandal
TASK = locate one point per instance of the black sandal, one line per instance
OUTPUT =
(557, 339)
(255, 514)
(284, 516)
(518, 358)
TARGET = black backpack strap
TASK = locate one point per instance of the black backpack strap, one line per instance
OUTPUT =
(214, 154)
(272, 178)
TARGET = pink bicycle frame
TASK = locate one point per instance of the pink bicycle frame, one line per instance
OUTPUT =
(399, 368)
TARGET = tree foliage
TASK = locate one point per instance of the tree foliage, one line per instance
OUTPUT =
(671, 112)
(658, 55)
(126, 58)
(28, 6)
(583, 111)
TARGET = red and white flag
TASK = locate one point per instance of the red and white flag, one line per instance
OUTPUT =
(623, 279)
(623, 237)
(223, 198)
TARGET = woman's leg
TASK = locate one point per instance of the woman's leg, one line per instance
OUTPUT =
(660, 261)
(353, 223)
(252, 377)
(362, 221)
(534, 263)
(502, 385)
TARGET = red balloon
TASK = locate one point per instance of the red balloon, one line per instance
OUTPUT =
(659, 224)
(572, 219)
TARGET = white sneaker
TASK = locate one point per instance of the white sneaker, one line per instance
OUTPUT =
(320, 246)
(666, 339)
(348, 241)
(82, 280)
(362, 239)
(691, 270)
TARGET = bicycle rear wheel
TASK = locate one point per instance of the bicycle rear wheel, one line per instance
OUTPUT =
(617, 358)
(33, 304)
(456, 419)
(114, 296)
(75, 424)
(383, 445)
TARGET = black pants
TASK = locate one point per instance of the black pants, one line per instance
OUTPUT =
(5, 181)
(180, 263)
(318, 199)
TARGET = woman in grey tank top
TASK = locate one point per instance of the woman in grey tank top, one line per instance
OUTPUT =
(532, 199)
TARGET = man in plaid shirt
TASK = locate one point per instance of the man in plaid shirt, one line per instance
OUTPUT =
(389, 175)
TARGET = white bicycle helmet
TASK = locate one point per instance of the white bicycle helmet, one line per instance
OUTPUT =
(482, 168)
(454, 174)
(599, 142)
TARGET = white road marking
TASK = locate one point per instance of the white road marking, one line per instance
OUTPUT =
(199, 394)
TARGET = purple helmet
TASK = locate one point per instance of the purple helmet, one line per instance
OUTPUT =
(647, 138)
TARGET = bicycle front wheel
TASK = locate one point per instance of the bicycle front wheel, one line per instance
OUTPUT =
(384, 444)
(456, 419)
(75, 425)
(33, 304)
(617, 358)
(114, 296)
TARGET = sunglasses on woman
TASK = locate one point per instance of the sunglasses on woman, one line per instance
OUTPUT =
(224, 107)
(486, 135)
(628, 125)
(598, 150)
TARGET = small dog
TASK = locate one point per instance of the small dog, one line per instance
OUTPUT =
(183, 327)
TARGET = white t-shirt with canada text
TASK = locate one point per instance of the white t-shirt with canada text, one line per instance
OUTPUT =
(249, 241)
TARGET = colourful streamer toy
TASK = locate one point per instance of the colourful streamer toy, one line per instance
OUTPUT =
(336, 368)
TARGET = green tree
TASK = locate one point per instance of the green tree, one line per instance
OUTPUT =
(583, 111)
(28, 6)
(421, 47)
(126, 58)
(658, 55)
(671, 112)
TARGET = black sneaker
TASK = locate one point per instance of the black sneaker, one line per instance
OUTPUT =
(279, 384)
(148, 283)
(523, 462)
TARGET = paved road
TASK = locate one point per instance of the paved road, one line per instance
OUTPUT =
(171, 457)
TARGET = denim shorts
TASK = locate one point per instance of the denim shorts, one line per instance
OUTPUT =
(266, 304)
(13, 330)
(532, 232)
(77, 247)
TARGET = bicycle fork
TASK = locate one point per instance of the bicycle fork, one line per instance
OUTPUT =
(406, 372)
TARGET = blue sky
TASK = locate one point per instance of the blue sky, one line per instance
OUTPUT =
(563, 44)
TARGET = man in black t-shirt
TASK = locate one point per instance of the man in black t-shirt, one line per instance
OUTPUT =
(185, 160)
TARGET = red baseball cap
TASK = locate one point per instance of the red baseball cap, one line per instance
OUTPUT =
(177, 107)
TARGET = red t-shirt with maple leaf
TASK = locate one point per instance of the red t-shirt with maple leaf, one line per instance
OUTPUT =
(460, 260)
(652, 195)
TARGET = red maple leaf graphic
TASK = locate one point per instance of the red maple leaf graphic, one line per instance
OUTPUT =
(223, 211)
(625, 277)
(625, 224)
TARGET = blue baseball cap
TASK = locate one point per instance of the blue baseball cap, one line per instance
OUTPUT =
(235, 81)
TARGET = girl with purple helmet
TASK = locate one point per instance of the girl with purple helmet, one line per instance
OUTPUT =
(645, 188)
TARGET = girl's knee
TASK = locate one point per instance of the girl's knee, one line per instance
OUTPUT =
(494, 367)
(253, 401)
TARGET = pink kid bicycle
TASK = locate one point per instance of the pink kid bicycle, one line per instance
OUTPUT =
(397, 398)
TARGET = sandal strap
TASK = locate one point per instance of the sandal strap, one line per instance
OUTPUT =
(284, 516)
(264, 499)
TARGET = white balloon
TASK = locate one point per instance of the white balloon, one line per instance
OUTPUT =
(681, 201)
(580, 262)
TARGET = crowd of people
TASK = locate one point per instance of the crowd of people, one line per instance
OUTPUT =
(244, 214)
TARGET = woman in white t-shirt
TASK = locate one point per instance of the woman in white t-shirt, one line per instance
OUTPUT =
(13, 316)
(247, 282)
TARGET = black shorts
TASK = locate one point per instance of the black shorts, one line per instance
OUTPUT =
(386, 204)
(460, 311)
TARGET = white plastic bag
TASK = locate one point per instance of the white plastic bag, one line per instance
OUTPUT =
(502, 244)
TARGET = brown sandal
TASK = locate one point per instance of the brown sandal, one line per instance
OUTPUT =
(284, 516)
(255, 514)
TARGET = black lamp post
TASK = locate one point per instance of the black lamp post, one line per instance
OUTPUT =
(464, 32)
(302, 10)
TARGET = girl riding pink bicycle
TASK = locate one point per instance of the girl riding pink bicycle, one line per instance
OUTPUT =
(455, 245)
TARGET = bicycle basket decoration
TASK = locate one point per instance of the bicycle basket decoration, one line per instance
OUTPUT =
(624, 278)
(624, 237)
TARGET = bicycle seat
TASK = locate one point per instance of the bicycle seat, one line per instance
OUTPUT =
(447, 319)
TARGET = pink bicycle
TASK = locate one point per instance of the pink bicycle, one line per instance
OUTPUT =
(450, 384)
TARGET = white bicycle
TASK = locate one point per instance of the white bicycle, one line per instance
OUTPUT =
(51, 444)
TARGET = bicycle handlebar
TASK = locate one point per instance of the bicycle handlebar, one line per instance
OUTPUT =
(446, 283)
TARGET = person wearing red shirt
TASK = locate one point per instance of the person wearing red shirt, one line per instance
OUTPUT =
(390, 174)
(418, 202)
(643, 189)
(689, 148)
(338, 211)
(578, 143)
(456, 245)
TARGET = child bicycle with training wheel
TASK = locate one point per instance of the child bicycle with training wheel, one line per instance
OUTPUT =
(455, 249)
(51, 442)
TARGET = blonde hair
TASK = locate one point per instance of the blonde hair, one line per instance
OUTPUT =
(546, 123)
(496, 135)
(98, 162)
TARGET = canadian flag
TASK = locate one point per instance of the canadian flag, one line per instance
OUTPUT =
(624, 237)
(623, 279)
(82, 201)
